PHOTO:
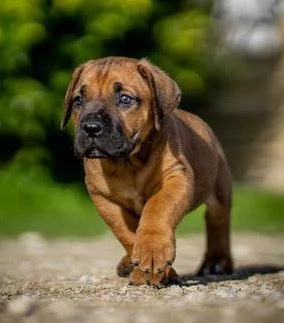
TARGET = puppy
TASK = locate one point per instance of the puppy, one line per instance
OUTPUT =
(147, 164)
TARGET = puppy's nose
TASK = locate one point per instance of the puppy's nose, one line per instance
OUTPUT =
(93, 128)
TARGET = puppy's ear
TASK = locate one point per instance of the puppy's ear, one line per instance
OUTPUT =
(166, 94)
(67, 108)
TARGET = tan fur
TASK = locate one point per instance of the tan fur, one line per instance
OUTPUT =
(176, 165)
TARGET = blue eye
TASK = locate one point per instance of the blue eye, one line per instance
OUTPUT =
(125, 99)
(78, 100)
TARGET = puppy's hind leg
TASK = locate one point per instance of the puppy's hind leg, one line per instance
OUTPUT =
(218, 259)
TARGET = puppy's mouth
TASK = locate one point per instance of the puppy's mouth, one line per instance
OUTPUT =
(102, 149)
(93, 152)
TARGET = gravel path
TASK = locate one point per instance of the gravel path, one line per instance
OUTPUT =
(74, 281)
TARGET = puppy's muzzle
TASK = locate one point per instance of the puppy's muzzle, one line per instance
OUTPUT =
(101, 136)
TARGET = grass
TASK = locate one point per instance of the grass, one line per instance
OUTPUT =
(30, 201)
(253, 210)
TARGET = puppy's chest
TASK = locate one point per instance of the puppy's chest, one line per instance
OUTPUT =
(127, 189)
(131, 199)
(126, 192)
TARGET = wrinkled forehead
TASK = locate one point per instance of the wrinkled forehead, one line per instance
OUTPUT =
(103, 78)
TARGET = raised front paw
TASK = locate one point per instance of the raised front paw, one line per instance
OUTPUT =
(152, 256)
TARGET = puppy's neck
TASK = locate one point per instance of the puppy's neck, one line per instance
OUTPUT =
(147, 146)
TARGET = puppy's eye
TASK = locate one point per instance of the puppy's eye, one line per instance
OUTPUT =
(78, 101)
(125, 99)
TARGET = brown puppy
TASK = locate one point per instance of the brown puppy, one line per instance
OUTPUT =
(147, 163)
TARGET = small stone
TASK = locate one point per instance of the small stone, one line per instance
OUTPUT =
(33, 242)
(174, 290)
(61, 311)
(253, 279)
(280, 304)
(22, 305)
(281, 273)
(84, 279)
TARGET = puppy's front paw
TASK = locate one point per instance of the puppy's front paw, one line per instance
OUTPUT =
(138, 277)
(152, 256)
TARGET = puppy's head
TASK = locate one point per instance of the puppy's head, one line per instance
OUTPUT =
(115, 102)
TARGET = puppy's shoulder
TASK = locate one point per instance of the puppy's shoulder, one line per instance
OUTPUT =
(187, 121)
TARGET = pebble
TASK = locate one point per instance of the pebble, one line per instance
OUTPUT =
(280, 304)
(253, 279)
(174, 290)
(195, 297)
(33, 243)
(22, 305)
(84, 279)
(62, 310)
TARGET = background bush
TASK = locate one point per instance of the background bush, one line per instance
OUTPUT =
(42, 41)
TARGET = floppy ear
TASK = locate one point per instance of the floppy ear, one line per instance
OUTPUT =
(67, 109)
(166, 94)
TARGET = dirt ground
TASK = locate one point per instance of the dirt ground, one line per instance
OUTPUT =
(74, 281)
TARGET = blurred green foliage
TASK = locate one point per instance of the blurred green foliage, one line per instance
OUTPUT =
(42, 41)
(31, 201)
